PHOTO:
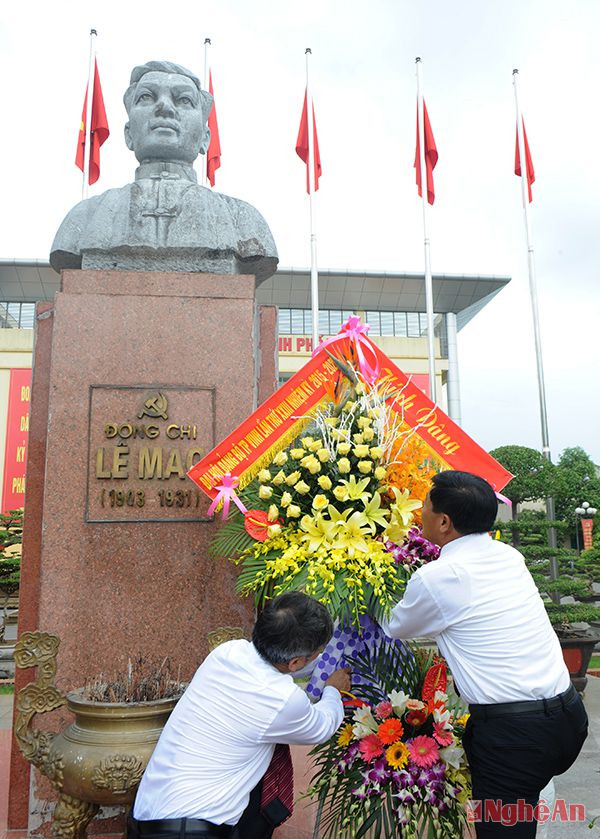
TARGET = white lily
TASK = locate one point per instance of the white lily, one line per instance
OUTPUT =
(398, 699)
(452, 755)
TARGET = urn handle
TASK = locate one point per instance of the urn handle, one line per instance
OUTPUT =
(37, 649)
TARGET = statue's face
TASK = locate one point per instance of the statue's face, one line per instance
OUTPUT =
(166, 120)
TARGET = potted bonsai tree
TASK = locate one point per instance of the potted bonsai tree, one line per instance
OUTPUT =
(571, 600)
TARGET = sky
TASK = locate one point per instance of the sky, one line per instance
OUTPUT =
(367, 209)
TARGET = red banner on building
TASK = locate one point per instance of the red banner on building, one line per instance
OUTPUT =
(283, 416)
(587, 526)
(17, 432)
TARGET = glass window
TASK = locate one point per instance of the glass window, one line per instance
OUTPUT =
(387, 323)
(297, 324)
(412, 324)
(283, 321)
(400, 327)
(374, 323)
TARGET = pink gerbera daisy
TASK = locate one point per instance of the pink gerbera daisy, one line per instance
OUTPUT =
(423, 751)
(441, 734)
(370, 747)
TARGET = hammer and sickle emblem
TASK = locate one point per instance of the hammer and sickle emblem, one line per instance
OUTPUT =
(155, 406)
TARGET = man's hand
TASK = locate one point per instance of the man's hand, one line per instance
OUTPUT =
(340, 679)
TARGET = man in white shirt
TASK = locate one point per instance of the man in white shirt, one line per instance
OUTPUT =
(205, 775)
(479, 602)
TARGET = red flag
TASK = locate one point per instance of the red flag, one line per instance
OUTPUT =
(99, 130)
(431, 155)
(528, 161)
(302, 144)
(213, 155)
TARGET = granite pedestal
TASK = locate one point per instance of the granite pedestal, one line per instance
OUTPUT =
(136, 376)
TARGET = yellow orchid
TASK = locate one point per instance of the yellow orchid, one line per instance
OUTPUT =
(356, 489)
(351, 536)
(375, 514)
(317, 531)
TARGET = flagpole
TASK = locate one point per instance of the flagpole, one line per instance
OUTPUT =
(550, 509)
(207, 43)
(314, 274)
(428, 279)
(87, 149)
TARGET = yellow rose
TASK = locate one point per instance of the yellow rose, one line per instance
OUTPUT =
(359, 388)
(293, 511)
(265, 492)
(273, 530)
(332, 421)
(376, 452)
(358, 439)
(307, 442)
(344, 465)
(273, 513)
(365, 466)
(292, 478)
(344, 448)
(297, 453)
(315, 446)
(306, 460)
(380, 472)
(340, 492)
(324, 482)
(323, 454)
(314, 466)
(349, 405)
(302, 488)
(320, 502)
(280, 458)
(364, 422)
(279, 478)
(368, 435)
(286, 499)
(264, 476)
(361, 451)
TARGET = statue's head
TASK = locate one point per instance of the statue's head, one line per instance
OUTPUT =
(168, 113)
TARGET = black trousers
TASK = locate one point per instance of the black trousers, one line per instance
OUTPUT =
(252, 825)
(513, 757)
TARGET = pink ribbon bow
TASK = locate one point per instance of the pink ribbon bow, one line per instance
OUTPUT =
(357, 331)
(504, 499)
(226, 494)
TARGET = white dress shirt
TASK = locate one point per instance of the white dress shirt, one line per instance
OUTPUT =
(479, 602)
(219, 740)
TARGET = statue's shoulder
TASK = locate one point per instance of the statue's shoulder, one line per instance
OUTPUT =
(248, 221)
(66, 248)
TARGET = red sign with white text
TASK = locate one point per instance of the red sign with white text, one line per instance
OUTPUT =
(17, 432)
(587, 525)
(284, 414)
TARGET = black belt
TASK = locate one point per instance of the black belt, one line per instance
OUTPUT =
(500, 710)
(184, 827)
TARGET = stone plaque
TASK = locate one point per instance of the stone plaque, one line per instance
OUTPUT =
(142, 442)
